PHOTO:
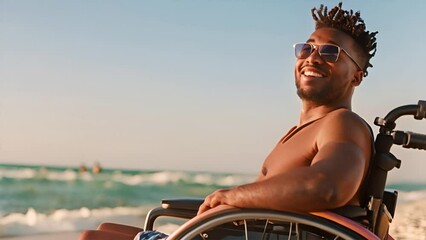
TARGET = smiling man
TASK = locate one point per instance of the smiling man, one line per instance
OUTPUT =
(322, 162)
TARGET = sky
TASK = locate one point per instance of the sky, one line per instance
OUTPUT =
(183, 84)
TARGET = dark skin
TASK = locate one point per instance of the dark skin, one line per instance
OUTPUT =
(333, 176)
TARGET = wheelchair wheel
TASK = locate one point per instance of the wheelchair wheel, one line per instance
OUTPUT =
(256, 224)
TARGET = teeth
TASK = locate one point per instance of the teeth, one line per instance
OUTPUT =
(312, 74)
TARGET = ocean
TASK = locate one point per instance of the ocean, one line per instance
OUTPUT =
(42, 199)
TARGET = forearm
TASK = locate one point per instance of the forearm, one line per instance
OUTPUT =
(288, 192)
(326, 184)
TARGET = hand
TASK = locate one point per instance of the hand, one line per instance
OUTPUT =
(218, 197)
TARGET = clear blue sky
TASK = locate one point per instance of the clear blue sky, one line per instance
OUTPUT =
(184, 84)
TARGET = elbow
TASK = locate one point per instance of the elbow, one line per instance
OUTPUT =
(333, 198)
(329, 193)
(330, 197)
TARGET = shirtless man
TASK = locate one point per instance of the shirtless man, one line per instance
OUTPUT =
(321, 163)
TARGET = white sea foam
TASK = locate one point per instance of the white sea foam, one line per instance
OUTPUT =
(159, 178)
(203, 178)
(22, 173)
(63, 220)
(167, 177)
(67, 175)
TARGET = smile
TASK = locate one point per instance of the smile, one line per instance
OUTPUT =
(312, 74)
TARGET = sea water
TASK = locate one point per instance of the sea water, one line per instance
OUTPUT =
(39, 199)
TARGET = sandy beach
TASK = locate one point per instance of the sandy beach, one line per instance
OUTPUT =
(53, 236)
(410, 221)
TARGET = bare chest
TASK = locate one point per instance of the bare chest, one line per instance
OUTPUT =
(296, 149)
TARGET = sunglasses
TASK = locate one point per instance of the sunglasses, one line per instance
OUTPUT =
(328, 52)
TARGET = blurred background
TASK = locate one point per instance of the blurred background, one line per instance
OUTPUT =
(191, 93)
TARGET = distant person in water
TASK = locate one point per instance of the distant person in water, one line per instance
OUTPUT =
(96, 168)
(322, 162)
(82, 168)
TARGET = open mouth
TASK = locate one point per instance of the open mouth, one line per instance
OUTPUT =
(312, 74)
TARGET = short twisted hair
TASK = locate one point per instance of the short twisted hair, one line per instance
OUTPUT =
(350, 23)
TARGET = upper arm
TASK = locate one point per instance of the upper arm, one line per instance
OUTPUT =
(344, 150)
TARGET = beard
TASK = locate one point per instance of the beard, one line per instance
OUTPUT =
(320, 96)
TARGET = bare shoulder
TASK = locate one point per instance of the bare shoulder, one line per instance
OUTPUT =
(345, 115)
(345, 125)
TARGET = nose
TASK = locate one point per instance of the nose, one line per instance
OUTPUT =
(314, 57)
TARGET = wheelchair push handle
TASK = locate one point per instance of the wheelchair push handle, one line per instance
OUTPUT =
(387, 124)
(421, 110)
(410, 139)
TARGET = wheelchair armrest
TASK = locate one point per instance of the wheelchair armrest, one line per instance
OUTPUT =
(179, 208)
(182, 203)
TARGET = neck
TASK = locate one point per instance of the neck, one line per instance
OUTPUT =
(311, 111)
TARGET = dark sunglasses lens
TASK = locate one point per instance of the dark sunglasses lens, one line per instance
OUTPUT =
(302, 50)
(329, 53)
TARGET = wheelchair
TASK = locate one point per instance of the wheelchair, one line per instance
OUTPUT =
(371, 220)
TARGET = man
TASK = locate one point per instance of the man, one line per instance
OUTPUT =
(321, 163)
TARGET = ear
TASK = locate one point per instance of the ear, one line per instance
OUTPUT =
(357, 78)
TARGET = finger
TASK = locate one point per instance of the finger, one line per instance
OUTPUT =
(214, 202)
(215, 199)
(203, 207)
